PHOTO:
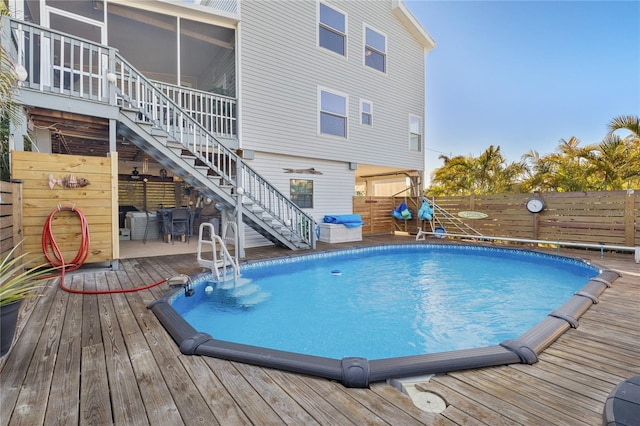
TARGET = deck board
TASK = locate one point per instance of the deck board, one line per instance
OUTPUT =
(128, 406)
(94, 408)
(66, 375)
(105, 359)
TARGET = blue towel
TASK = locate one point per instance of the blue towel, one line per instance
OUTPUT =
(425, 212)
(348, 220)
(402, 212)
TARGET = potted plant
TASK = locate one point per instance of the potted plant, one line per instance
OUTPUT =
(16, 284)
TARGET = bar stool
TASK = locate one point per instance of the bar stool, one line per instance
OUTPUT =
(151, 219)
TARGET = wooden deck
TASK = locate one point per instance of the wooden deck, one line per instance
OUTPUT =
(106, 360)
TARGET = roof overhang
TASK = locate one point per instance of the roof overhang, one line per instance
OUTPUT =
(415, 28)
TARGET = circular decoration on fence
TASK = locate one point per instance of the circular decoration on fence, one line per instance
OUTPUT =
(535, 205)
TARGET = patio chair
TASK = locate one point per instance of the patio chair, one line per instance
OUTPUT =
(180, 222)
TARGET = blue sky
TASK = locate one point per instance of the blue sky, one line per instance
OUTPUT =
(524, 74)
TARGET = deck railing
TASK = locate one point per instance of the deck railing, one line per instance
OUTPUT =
(216, 113)
(100, 68)
(56, 62)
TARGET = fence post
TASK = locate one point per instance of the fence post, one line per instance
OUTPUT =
(629, 218)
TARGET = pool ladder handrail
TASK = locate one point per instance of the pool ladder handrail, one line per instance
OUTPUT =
(217, 265)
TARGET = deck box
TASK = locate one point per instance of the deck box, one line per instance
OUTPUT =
(338, 233)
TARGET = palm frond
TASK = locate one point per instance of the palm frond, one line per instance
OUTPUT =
(18, 283)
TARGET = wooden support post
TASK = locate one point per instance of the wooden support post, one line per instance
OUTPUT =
(629, 218)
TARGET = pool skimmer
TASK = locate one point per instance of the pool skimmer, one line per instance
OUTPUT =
(415, 388)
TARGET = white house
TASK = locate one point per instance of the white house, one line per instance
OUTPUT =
(285, 105)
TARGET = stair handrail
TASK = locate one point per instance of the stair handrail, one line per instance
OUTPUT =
(227, 258)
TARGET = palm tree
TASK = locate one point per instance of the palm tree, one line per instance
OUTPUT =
(8, 81)
(538, 172)
(570, 165)
(609, 164)
(486, 174)
(455, 177)
(627, 122)
(488, 168)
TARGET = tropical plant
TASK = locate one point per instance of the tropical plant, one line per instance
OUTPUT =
(18, 283)
(8, 78)
(486, 174)
(627, 122)
(8, 108)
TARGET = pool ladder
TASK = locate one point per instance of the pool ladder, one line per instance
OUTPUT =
(221, 260)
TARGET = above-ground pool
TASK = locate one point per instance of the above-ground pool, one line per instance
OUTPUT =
(375, 313)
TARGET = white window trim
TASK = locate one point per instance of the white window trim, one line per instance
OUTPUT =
(364, 46)
(421, 133)
(362, 102)
(319, 111)
(346, 30)
(312, 192)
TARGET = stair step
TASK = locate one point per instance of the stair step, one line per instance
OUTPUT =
(173, 144)
(245, 290)
(158, 132)
(254, 299)
(145, 123)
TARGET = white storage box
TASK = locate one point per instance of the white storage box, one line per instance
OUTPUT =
(338, 233)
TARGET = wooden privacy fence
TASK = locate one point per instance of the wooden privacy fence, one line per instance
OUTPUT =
(97, 202)
(10, 217)
(608, 217)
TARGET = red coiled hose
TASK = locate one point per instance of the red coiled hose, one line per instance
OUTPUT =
(53, 254)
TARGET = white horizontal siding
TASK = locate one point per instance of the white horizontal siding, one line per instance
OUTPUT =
(332, 190)
(281, 69)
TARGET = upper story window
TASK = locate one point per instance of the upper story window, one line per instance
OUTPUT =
(332, 30)
(375, 49)
(366, 113)
(333, 113)
(415, 133)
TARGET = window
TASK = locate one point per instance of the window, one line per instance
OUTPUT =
(301, 191)
(415, 133)
(332, 30)
(333, 114)
(375, 49)
(366, 113)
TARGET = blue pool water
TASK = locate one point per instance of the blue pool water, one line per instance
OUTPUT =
(387, 301)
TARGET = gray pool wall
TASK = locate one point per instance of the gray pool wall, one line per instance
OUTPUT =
(360, 372)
